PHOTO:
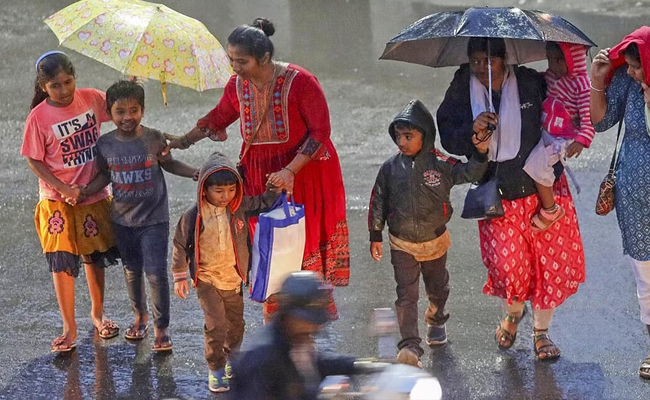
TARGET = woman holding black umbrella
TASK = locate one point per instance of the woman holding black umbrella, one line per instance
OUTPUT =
(544, 268)
(619, 91)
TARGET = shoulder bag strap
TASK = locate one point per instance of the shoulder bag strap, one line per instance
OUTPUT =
(612, 164)
(276, 73)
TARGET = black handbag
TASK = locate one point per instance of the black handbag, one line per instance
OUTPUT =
(483, 199)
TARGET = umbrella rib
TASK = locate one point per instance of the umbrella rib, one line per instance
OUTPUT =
(535, 25)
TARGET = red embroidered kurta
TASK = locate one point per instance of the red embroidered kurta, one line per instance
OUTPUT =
(297, 121)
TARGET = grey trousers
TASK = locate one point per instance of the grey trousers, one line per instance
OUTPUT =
(436, 285)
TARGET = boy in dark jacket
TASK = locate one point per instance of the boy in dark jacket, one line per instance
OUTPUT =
(211, 240)
(411, 195)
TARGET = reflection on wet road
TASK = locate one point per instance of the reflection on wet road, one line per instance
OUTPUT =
(339, 40)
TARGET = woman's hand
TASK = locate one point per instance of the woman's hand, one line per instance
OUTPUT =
(182, 142)
(481, 123)
(283, 179)
(600, 67)
(274, 182)
(574, 149)
(646, 94)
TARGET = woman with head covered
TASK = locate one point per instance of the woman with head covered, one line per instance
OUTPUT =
(619, 91)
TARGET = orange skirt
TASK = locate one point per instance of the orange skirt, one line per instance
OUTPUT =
(79, 230)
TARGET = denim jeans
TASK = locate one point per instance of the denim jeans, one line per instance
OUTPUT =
(436, 285)
(144, 252)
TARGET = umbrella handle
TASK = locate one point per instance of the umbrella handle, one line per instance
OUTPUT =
(163, 86)
(489, 63)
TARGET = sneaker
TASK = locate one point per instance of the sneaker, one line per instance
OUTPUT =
(436, 335)
(408, 356)
(218, 381)
(228, 370)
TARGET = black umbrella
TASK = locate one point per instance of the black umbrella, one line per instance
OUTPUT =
(440, 39)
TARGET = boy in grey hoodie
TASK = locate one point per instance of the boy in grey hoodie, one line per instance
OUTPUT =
(411, 195)
(211, 240)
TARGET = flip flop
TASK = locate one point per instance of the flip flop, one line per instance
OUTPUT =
(59, 345)
(164, 344)
(110, 327)
(138, 333)
(644, 369)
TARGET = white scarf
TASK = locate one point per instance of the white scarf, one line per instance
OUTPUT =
(507, 136)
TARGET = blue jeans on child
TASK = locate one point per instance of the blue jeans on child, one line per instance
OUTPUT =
(144, 250)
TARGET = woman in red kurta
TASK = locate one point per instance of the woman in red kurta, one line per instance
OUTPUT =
(286, 129)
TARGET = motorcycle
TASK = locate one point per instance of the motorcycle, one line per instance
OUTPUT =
(388, 380)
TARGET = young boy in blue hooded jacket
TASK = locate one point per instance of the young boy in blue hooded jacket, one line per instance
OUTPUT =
(211, 240)
(411, 195)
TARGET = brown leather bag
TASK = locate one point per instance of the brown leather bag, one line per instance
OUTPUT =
(605, 199)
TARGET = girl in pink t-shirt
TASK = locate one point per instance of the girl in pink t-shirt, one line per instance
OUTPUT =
(59, 143)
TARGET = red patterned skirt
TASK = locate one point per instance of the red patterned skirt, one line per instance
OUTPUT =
(319, 187)
(546, 267)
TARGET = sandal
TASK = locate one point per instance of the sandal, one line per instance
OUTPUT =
(546, 349)
(61, 345)
(136, 333)
(109, 329)
(162, 344)
(644, 369)
(544, 220)
(505, 339)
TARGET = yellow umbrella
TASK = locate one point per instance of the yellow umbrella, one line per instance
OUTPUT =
(145, 40)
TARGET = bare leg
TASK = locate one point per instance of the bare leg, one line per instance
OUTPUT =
(545, 194)
(95, 278)
(64, 288)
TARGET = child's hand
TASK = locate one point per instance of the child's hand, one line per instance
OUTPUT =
(481, 143)
(574, 149)
(71, 194)
(181, 289)
(274, 181)
(376, 251)
(195, 178)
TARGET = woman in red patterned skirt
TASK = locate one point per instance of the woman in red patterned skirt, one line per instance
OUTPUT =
(286, 130)
(524, 264)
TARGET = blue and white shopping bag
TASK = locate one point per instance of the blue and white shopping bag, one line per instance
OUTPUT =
(278, 247)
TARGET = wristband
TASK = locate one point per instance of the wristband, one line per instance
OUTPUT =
(290, 170)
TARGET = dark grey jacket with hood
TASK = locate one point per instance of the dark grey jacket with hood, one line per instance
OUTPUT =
(411, 194)
(190, 225)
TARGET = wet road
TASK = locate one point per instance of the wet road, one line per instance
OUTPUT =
(598, 329)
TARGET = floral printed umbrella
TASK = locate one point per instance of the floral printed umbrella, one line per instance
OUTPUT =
(145, 40)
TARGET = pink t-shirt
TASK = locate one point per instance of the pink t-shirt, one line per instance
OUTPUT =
(65, 138)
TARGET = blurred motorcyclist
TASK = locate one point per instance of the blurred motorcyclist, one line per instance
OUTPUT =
(286, 364)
